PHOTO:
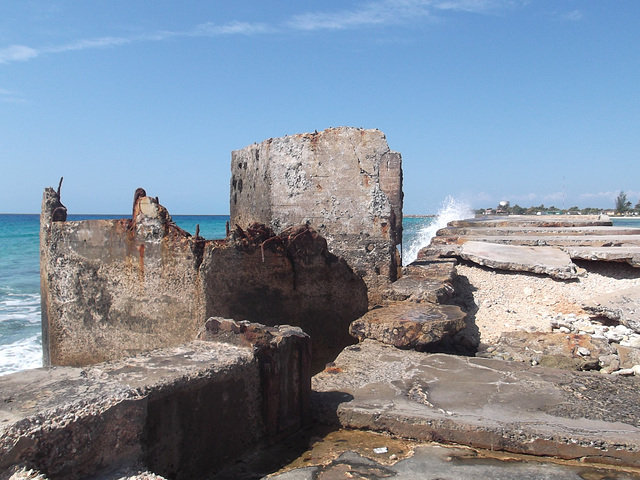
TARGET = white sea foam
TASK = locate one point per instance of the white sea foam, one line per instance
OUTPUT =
(451, 209)
(21, 355)
(20, 340)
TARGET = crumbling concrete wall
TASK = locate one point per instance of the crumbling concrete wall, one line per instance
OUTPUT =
(181, 412)
(345, 182)
(113, 288)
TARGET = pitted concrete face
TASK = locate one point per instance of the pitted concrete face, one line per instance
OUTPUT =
(483, 402)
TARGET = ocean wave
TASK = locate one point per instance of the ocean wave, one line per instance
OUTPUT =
(22, 355)
(452, 209)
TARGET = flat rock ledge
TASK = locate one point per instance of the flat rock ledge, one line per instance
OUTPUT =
(164, 411)
(544, 260)
(483, 403)
(419, 326)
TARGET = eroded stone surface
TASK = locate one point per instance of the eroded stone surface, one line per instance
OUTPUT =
(484, 403)
(410, 325)
(546, 260)
(345, 182)
(168, 410)
(555, 350)
(113, 288)
(622, 306)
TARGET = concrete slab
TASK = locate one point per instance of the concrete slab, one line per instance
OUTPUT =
(628, 254)
(546, 260)
(595, 241)
(482, 403)
(534, 220)
(622, 306)
(440, 462)
(422, 326)
(537, 230)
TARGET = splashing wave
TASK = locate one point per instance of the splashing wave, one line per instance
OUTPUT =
(452, 209)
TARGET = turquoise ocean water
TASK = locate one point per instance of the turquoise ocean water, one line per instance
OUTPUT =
(20, 328)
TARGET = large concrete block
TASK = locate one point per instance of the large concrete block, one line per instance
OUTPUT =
(112, 288)
(181, 412)
(345, 182)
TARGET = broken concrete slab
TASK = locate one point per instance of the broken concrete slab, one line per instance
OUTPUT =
(534, 220)
(545, 260)
(554, 350)
(423, 281)
(421, 326)
(537, 230)
(434, 461)
(622, 306)
(593, 241)
(628, 254)
(483, 403)
(164, 410)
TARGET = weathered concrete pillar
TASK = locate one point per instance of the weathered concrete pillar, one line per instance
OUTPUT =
(345, 182)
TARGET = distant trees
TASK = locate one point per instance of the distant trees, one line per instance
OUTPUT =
(622, 204)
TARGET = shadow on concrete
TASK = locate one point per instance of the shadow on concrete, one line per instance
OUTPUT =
(466, 342)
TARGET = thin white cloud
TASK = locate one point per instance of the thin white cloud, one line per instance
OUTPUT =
(390, 12)
(17, 53)
(86, 44)
(211, 29)
(599, 195)
(573, 16)
(8, 96)
(372, 13)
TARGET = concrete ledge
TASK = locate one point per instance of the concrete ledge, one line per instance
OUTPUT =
(482, 403)
(181, 412)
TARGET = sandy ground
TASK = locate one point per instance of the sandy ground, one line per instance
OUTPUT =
(511, 301)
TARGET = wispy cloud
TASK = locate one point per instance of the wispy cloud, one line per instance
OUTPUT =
(8, 96)
(391, 12)
(573, 16)
(366, 14)
(211, 29)
(17, 53)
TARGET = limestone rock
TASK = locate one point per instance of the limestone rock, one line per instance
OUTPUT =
(555, 350)
(628, 356)
(420, 326)
(424, 281)
(622, 306)
(546, 260)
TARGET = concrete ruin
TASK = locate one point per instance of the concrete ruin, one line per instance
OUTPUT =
(167, 411)
(113, 288)
(345, 182)
(158, 329)
(316, 222)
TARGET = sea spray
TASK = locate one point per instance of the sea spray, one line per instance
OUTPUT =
(451, 209)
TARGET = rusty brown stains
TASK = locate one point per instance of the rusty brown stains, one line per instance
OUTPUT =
(141, 250)
(333, 370)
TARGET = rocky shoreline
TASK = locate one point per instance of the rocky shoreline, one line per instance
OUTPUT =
(173, 356)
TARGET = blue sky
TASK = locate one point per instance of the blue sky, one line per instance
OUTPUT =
(487, 100)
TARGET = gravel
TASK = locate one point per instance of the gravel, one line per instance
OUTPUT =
(511, 301)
